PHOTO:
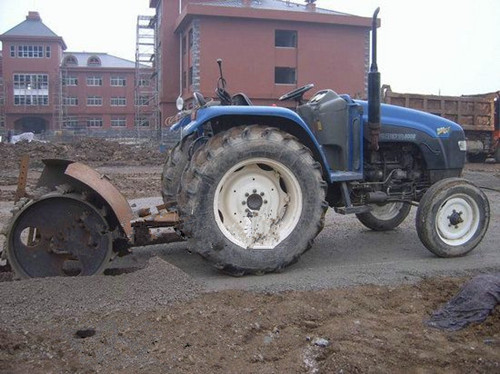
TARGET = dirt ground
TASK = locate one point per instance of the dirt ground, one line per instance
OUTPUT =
(157, 319)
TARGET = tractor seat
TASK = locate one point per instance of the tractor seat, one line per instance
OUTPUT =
(240, 99)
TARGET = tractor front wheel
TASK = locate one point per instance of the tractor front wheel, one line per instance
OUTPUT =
(252, 200)
(452, 217)
(384, 217)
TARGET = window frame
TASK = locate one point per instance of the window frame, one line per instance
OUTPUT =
(118, 101)
(281, 40)
(94, 100)
(94, 80)
(118, 81)
(285, 82)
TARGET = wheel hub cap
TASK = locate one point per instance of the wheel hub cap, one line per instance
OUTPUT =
(255, 201)
(457, 220)
(258, 203)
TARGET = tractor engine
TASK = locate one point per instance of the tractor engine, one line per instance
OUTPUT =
(395, 172)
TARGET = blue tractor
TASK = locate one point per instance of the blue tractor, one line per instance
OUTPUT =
(248, 186)
(252, 184)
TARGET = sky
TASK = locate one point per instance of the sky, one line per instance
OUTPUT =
(447, 47)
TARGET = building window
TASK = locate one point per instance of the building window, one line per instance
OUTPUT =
(33, 100)
(71, 101)
(30, 51)
(12, 51)
(190, 76)
(94, 122)
(285, 38)
(284, 75)
(184, 45)
(31, 89)
(31, 81)
(94, 81)
(118, 122)
(142, 100)
(47, 51)
(143, 82)
(70, 60)
(94, 101)
(142, 122)
(118, 81)
(93, 61)
(70, 122)
(190, 38)
(70, 81)
(118, 101)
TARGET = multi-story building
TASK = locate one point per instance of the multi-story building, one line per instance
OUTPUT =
(44, 88)
(269, 47)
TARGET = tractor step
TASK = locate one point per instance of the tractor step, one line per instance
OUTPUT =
(352, 209)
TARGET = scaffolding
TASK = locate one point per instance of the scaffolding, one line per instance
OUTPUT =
(147, 113)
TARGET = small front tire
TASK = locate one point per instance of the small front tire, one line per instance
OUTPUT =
(453, 217)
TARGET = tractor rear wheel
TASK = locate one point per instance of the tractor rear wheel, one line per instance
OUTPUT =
(384, 217)
(452, 217)
(252, 200)
(176, 161)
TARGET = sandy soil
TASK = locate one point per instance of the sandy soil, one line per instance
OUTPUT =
(157, 319)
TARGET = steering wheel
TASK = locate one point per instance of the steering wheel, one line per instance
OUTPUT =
(223, 95)
(297, 93)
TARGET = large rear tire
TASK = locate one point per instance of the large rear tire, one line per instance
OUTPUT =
(252, 200)
(176, 162)
(384, 217)
(452, 217)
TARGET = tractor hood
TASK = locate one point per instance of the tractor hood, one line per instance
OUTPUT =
(432, 125)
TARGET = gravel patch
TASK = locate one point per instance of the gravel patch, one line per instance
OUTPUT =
(36, 301)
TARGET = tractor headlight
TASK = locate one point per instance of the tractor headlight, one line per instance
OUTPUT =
(462, 145)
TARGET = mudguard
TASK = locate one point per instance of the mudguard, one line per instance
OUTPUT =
(204, 115)
(59, 172)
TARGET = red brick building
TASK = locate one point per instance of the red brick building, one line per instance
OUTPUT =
(44, 88)
(269, 47)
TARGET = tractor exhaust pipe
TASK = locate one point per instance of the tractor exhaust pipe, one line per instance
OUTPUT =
(374, 90)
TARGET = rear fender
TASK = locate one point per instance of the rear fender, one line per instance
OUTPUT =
(282, 118)
(82, 177)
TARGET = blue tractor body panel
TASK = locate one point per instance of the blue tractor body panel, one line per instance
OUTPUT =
(346, 136)
(354, 171)
(434, 126)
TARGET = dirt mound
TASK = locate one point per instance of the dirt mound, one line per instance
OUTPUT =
(158, 284)
(93, 151)
(366, 329)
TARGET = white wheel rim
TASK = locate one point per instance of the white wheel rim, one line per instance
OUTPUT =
(257, 203)
(387, 211)
(457, 220)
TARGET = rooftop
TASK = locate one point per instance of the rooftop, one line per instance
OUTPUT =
(284, 5)
(106, 61)
(32, 27)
